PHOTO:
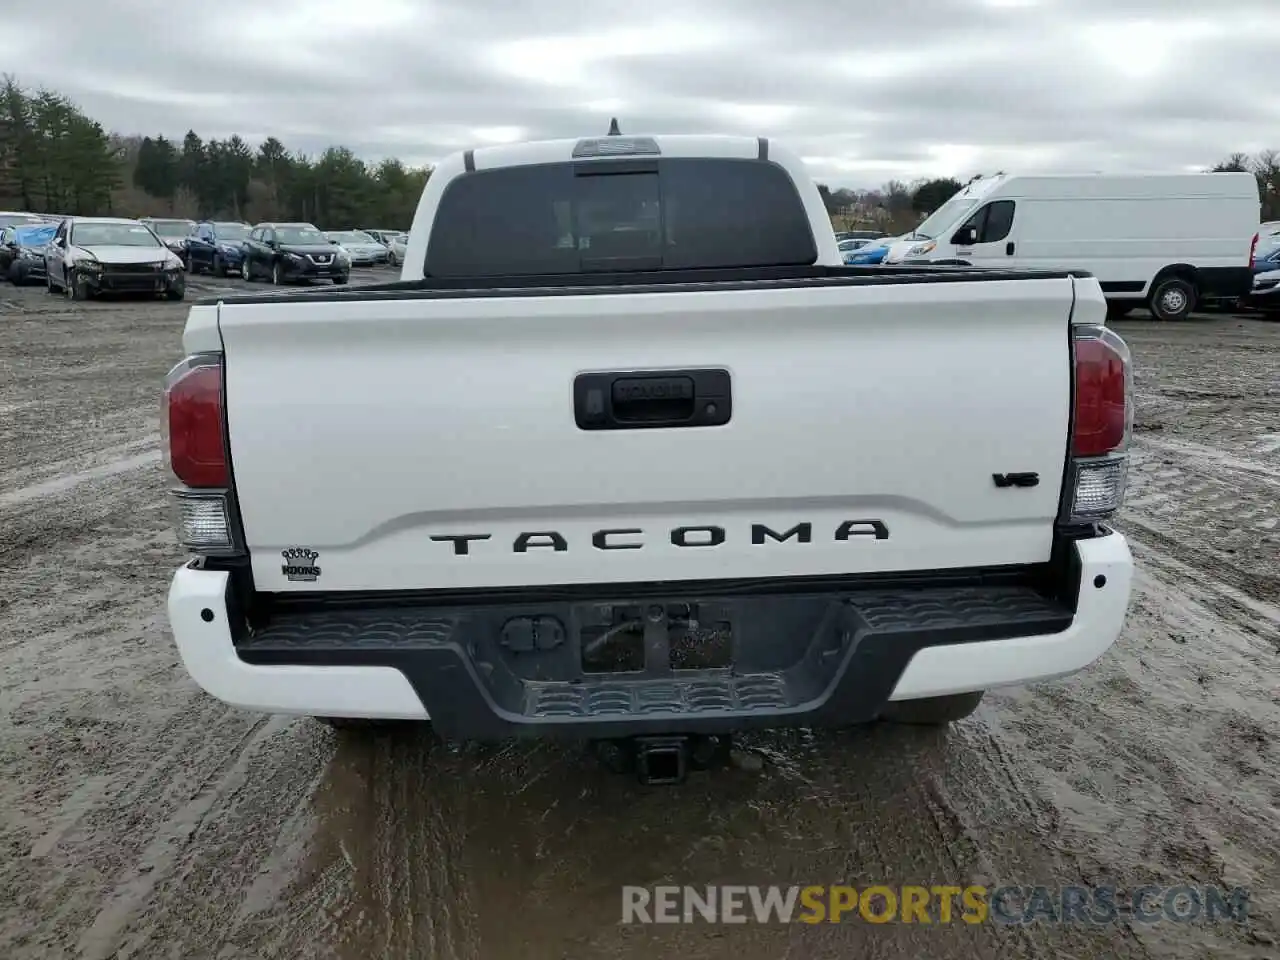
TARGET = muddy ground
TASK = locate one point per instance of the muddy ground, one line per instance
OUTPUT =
(140, 818)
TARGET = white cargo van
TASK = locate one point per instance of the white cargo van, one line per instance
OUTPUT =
(1165, 241)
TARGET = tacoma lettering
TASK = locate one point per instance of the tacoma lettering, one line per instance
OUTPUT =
(600, 539)
(543, 539)
(714, 536)
(462, 542)
(801, 531)
(693, 536)
(862, 528)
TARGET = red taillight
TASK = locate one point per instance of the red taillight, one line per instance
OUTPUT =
(197, 448)
(1253, 249)
(1103, 411)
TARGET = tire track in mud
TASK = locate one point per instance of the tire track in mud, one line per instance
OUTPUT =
(165, 852)
(533, 832)
(1230, 592)
(66, 481)
(1158, 761)
(1212, 509)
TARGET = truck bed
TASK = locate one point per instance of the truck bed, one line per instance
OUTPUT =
(665, 281)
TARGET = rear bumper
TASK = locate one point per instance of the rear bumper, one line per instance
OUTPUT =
(850, 652)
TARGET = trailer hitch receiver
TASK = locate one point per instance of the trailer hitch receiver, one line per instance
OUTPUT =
(662, 760)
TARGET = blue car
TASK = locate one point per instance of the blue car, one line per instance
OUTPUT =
(872, 253)
(217, 246)
(22, 252)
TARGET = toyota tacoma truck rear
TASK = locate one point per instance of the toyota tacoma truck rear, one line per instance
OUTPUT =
(627, 451)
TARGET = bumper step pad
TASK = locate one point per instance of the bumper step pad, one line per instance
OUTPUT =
(819, 659)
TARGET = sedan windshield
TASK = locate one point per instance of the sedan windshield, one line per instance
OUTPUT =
(299, 235)
(112, 235)
(18, 219)
(173, 228)
(352, 236)
(232, 232)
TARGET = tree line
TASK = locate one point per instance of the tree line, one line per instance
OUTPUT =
(894, 208)
(56, 159)
(53, 158)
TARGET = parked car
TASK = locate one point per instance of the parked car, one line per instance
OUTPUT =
(685, 561)
(22, 252)
(293, 253)
(870, 254)
(218, 247)
(1265, 259)
(92, 255)
(9, 218)
(1164, 241)
(396, 247)
(1265, 294)
(848, 246)
(172, 233)
(384, 237)
(860, 235)
(8, 247)
(1266, 256)
(363, 250)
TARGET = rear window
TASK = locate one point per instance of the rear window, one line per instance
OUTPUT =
(678, 213)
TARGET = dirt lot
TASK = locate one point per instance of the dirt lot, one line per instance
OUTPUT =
(140, 818)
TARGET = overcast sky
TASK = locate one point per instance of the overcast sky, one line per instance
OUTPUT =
(863, 90)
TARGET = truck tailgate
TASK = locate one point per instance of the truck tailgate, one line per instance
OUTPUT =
(430, 443)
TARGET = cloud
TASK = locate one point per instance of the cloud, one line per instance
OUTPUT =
(865, 92)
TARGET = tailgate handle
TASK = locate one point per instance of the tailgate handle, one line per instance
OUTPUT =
(634, 400)
(664, 399)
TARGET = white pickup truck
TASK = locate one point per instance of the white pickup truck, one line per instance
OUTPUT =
(628, 451)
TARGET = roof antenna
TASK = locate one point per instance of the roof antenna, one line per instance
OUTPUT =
(613, 128)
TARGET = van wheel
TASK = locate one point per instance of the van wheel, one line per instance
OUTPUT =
(932, 711)
(1173, 299)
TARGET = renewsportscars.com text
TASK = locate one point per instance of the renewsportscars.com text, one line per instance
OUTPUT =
(940, 904)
